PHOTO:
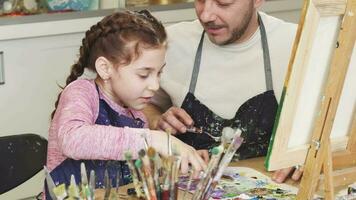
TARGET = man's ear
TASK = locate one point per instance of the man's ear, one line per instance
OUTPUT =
(103, 67)
(258, 3)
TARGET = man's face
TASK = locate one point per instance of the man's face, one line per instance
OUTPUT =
(225, 21)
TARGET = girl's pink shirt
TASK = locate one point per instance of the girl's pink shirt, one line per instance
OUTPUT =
(74, 134)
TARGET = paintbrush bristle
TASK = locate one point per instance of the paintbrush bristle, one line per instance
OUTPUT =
(128, 155)
(72, 180)
(142, 153)
(138, 163)
(215, 151)
(151, 152)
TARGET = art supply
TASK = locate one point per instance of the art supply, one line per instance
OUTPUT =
(73, 189)
(118, 179)
(138, 165)
(167, 165)
(245, 183)
(193, 129)
(151, 152)
(147, 172)
(207, 189)
(168, 131)
(92, 184)
(216, 167)
(174, 181)
(228, 134)
(107, 185)
(187, 189)
(60, 192)
(134, 174)
(50, 183)
(200, 130)
(207, 177)
(236, 143)
(351, 189)
(145, 141)
(84, 179)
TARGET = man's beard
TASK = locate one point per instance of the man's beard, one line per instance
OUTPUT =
(238, 32)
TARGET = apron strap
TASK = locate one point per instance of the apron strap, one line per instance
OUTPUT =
(266, 59)
(266, 56)
(197, 59)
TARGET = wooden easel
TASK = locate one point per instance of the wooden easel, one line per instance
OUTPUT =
(319, 155)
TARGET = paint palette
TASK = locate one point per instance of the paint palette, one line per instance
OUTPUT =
(245, 183)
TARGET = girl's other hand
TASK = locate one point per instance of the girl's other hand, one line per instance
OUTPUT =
(204, 154)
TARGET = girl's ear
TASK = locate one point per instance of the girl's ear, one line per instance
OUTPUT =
(103, 67)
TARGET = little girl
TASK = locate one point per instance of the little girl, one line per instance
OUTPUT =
(98, 120)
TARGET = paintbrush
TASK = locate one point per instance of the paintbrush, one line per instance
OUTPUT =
(167, 165)
(200, 130)
(235, 144)
(107, 185)
(146, 168)
(138, 164)
(206, 192)
(187, 189)
(228, 134)
(60, 191)
(174, 180)
(84, 179)
(151, 152)
(73, 190)
(211, 184)
(169, 132)
(133, 171)
(216, 155)
(92, 184)
(50, 183)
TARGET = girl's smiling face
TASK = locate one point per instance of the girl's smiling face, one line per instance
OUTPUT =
(133, 85)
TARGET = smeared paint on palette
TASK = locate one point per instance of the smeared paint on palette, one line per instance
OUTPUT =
(246, 183)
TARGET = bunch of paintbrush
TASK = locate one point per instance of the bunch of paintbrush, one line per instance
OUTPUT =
(220, 159)
(146, 173)
(83, 191)
(74, 191)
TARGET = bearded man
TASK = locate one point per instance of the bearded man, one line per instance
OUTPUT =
(225, 69)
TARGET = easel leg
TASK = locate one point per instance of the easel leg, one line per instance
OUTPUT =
(312, 172)
(327, 168)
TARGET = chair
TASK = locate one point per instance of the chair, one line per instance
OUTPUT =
(21, 157)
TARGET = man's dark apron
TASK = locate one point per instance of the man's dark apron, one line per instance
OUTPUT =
(109, 117)
(255, 117)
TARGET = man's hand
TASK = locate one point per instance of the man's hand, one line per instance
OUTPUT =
(175, 119)
(281, 175)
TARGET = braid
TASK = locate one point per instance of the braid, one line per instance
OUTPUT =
(110, 38)
(77, 68)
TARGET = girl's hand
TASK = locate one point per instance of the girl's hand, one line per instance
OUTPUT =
(204, 154)
(187, 153)
(175, 119)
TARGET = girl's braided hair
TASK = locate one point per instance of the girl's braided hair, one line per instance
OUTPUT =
(119, 38)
